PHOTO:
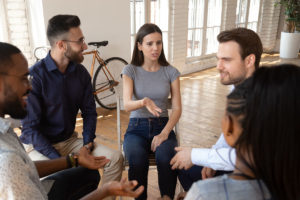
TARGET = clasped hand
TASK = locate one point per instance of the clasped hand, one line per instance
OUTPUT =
(157, 140)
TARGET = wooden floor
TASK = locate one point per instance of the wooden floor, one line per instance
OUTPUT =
(203, 103)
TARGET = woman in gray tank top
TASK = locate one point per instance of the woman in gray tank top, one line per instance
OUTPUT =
(148, 81)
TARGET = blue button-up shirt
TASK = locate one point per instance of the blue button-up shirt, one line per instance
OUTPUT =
(54, 103)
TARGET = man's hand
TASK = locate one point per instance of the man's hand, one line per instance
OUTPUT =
(122, 188)
(207, 173)
(90, 146)
(157, 140)
(87, 160)
(182, 159)
(151, 107)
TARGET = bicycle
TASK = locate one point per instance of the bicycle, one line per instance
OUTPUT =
(107, 80)
(106, 83)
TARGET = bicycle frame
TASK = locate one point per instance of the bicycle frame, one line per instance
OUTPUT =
(105, 70)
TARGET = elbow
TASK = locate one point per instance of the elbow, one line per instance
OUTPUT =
(177, 110)
(126, 107)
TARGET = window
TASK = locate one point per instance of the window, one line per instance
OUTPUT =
(22, 25)
(150, 11)
(204, 21)
(247, 14)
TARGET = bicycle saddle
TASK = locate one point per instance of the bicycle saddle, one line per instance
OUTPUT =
(98, 44)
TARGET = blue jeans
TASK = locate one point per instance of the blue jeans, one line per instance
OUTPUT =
(74, 183)
(137, 146)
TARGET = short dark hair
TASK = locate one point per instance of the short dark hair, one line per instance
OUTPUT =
(137, 55)
(60, 25)
(268, 104)
(248, 41)
(6, 51)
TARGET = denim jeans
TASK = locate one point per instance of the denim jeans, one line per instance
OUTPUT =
(137, 146)
(74, 183)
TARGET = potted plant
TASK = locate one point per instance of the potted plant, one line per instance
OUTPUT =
(290, 37)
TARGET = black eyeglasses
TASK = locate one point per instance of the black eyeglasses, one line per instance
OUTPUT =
(27, 81)
(81, 41)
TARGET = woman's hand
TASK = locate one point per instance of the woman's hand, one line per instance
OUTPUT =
(157, 140)
(86, 159)
(151, 107)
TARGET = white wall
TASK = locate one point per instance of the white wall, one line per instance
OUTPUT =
(100, 20)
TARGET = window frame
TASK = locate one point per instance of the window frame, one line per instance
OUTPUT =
(204, 42)
(247, 16)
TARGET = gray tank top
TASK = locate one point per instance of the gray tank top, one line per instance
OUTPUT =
(154, 85)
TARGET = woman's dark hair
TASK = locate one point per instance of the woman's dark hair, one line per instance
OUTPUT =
(269, 103)
(60, 25)
(137, 55)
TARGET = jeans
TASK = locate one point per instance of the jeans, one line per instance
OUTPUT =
(74, 183)
(137, 146)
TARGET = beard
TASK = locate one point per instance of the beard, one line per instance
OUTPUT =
(73, 55)
(13, 105)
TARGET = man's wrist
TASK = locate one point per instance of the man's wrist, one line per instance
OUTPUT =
(72, 160)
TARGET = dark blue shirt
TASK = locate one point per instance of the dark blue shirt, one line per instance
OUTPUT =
(54, 103)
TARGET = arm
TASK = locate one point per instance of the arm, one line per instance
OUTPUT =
(85, 159)
(89, 114)
(115, 188)
(174, 117)
(31, 123)
(217, 159)
(130, 105)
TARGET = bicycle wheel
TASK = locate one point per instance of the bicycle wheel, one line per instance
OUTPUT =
(107, 82)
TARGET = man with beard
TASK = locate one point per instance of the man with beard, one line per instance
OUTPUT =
(238, 57)
(19, 175)
(60, 87)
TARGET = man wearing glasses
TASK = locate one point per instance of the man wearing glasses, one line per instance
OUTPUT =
(61, 86)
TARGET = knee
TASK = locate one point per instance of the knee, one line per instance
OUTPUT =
(117, 158)
(137, 160)
(163, 157)
(93, 174)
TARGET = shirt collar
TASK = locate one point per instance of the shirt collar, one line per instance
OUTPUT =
(4, 125)
(51, 66)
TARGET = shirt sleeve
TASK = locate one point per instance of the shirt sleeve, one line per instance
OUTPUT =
(173, 73)
(16, 182)
(31, 124)
(128, 70)
(88, 112)
(217, 159)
